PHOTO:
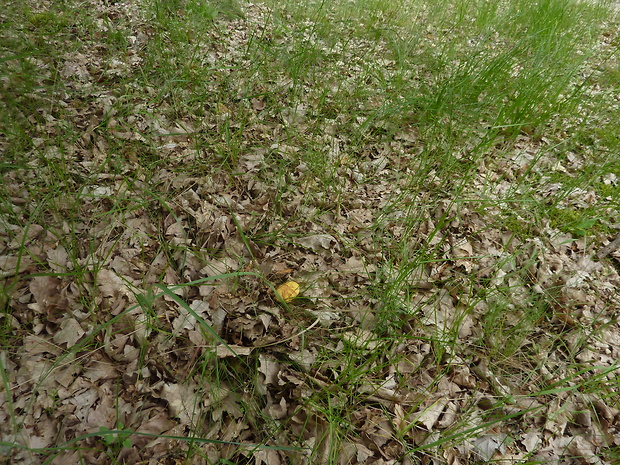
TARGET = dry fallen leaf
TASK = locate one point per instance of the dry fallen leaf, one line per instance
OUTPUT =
(287, 291)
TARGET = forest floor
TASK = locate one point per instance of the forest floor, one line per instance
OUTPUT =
(441, 179)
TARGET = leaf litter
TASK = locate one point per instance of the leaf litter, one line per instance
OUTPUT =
(94, 349)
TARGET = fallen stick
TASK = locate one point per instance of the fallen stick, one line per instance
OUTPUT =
(609, 248)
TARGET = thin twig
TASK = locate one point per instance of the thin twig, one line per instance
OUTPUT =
(615, 244)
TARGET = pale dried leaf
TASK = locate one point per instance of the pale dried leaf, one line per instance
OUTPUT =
(70, 332)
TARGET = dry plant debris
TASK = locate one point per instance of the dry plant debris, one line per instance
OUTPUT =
(140, 323)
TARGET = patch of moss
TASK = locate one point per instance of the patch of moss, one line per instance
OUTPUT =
(578, 223)
(48, 22)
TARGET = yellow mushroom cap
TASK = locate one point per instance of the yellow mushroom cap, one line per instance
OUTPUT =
(287, 291)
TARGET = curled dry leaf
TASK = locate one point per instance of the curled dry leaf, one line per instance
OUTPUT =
(287, 291)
